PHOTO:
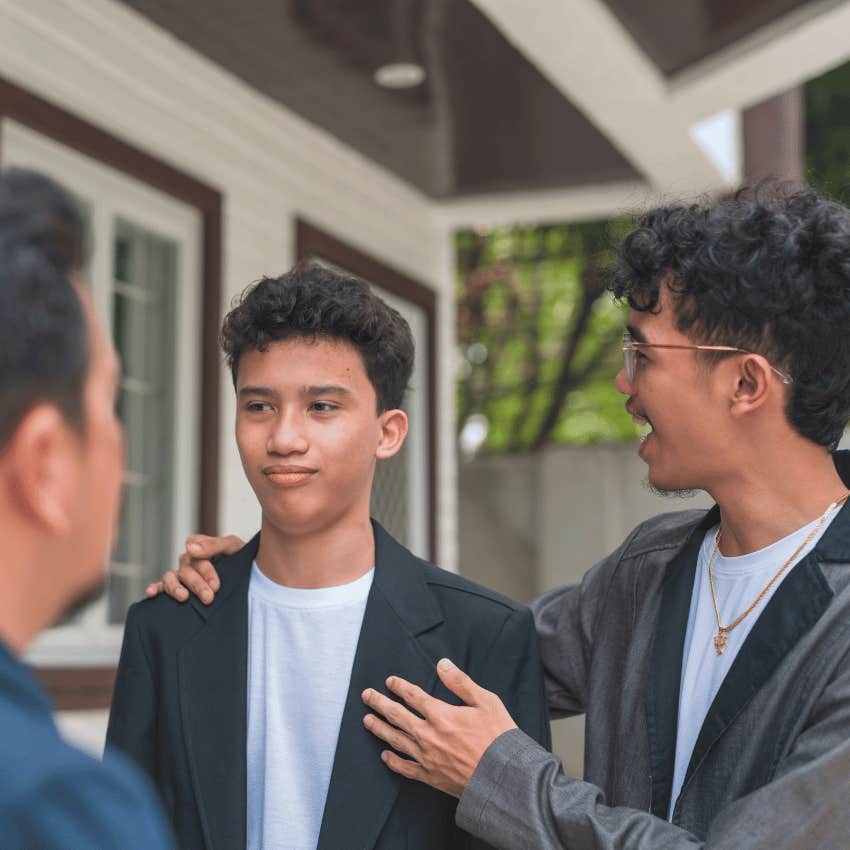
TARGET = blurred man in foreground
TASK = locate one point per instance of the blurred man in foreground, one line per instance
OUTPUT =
(710, 652)
(61, 457)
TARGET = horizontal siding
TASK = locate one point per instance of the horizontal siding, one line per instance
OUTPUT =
(106, 63)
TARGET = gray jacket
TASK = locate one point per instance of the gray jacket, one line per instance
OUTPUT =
(771, 766)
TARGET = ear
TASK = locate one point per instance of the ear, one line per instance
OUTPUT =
(393, 431)
(43, 469)
(753, 386)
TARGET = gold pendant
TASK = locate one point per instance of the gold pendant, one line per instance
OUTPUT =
(720, 642)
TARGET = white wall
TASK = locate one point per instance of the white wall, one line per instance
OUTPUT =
(102, 61)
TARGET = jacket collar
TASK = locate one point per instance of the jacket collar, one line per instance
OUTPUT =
(834, 545)
(665, 673)
(213, 676)
(399, 575)
(400, 607)
(213, 686)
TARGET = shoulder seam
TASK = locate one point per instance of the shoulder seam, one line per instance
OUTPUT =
(506, 603)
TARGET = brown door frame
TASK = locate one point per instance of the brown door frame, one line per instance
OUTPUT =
(91, 687)
(311, 241)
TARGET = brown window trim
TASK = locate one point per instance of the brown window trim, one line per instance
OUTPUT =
(312, 242)
(73, 687)
(77, 688)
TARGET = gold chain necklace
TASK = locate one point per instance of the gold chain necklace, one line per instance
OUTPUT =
(720, 639)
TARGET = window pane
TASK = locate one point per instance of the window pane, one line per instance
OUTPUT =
(144, 303)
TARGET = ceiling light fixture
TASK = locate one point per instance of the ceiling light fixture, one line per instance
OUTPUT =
(400, 75)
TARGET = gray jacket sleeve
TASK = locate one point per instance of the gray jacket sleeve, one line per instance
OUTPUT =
(565, 618)
(520, 799)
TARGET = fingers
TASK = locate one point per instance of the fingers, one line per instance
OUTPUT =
(459, 683)
(189, 576)
(397, 739)
(154, 589)
(393, 711)
(404, 767)
(171, 585)
(204, 569)
(203, 546)
(413, 695)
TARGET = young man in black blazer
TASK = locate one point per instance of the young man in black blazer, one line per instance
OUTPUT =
(247, 711)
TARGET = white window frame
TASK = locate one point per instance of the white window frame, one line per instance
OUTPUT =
(113, 195)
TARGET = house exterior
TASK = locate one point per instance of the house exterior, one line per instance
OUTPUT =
(212, 143)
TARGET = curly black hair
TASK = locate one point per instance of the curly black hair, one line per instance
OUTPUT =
(314, 301)
(766, 270)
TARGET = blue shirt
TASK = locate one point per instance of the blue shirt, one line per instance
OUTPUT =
(54, 796)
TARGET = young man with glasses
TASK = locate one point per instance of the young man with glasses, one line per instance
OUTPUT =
(710, 652)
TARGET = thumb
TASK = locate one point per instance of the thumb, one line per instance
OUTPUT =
(458, 682)
(203, 546)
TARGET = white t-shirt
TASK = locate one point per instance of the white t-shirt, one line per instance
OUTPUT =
(737, 581)
(301, 646)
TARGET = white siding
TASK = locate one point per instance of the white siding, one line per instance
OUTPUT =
(109, 65)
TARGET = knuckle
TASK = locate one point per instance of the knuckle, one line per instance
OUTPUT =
(185, 572)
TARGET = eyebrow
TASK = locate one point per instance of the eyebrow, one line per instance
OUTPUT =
(311, 391)
(265, 392)
(636, 333)
(326, 389)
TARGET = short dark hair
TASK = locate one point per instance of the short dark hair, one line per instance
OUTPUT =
(766, 270)
(44, 345)
(314, 301)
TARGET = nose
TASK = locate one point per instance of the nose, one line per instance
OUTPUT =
(289, 435)
(621, 382)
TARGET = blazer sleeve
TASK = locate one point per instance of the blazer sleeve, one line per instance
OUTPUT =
(132, 718)
(565, 619)
(520, 796)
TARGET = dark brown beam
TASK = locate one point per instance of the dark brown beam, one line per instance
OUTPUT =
(773, 138)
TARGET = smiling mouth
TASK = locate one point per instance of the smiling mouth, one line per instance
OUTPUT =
(643, 422)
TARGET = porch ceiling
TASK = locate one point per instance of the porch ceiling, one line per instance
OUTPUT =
(507, 105)
(677, 33)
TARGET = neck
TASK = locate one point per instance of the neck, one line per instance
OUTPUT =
(27, 602)
(326, 557)
(759, 506)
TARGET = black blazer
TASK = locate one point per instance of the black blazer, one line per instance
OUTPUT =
(180, 702)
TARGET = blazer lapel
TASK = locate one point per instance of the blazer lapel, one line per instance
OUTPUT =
(400, 606)
(793, 609)
(213, 703)
(665, 674)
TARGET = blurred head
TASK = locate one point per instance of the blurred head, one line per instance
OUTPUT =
(766, 272)
(60, 443)
(320, 365)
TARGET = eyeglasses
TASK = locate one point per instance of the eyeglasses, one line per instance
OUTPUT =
(631, 347)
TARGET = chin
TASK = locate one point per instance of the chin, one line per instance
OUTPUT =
(296, 523)
(85, 596)
(669, 485)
